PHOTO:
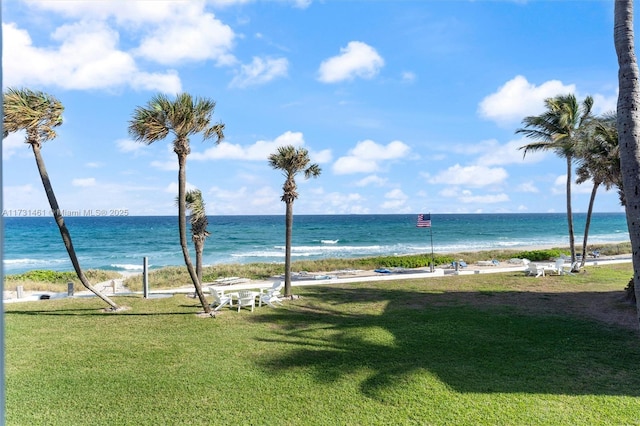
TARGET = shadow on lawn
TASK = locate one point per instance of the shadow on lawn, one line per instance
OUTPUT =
(473, 342)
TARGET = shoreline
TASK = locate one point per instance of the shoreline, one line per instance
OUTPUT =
(126, 273)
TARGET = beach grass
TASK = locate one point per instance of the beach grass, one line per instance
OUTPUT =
(178, 276)
(56, 281)
(480, 349)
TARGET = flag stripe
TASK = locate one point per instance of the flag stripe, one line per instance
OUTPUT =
(424, 221)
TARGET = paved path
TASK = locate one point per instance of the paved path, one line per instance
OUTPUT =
(115, 287)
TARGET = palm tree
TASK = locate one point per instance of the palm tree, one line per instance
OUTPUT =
(291, 161)
(557, 129)
(599, 161)
(38, 113)
(183, 117)
(199, 222)
(628, 124)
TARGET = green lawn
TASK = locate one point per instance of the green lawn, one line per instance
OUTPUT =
(498, 349)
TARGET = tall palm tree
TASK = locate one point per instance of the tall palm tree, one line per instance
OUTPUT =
(291, 161)
(599, 161)
(199, 222)
(556, 130)
(38, 113)
(182, 117)
(628, 124)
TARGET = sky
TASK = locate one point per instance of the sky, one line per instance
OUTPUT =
(406, 106)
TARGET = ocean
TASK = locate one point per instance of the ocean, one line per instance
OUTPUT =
(120, 243)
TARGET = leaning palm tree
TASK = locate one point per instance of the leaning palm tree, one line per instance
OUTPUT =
(199, 222)
(557, 129)
(628, 124)
(38, 113)
(182, 117)
(291, 161)
(599, 161)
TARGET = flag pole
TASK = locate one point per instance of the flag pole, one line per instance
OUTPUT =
(431, 266)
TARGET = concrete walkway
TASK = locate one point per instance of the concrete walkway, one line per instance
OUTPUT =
(115, 287)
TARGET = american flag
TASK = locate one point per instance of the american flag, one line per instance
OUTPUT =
(424, 221)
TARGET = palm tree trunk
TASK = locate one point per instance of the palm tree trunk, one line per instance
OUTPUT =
(182, 227)
(629, 128)
(572, 242)
(287, 253)
(587, 224)
(64, 232)
(199, 246)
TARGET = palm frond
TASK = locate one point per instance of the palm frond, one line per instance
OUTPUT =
(34, 111)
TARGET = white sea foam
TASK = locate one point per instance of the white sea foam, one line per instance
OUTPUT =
(329, 241)
(128, 267)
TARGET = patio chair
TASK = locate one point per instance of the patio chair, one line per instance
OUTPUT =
(246, 298)
(220, 299)
(560, 266)
(534, 270)
(271, 295)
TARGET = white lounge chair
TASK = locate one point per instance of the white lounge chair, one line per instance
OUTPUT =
(247, 298)
(220, 299)
(534, 270)
(272, 295)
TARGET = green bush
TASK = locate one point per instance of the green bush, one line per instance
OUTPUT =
(541, 255)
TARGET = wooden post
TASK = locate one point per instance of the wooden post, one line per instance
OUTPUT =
(145, 277)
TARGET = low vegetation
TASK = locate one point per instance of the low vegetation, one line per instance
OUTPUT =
(177, 276)
(56, 281)
(480, 349)
(172, 277)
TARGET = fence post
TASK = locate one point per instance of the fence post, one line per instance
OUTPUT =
(70, 289)
(145, 277)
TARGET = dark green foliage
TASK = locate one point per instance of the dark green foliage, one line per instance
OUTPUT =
(630, 292)
(60, 277)
(541, 255)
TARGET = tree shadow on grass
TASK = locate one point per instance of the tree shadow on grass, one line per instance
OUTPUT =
(473, 342)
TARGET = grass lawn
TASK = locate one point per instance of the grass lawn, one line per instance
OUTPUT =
(459, 350)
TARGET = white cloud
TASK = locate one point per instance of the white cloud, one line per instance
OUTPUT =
(518, 98)
(259, 151)
(527, 187)
(191, 35)
(324, 156)
(172, 188)
(167, 166)
(474, 176)
(372, 180)
(260, 71)
(124, 12)
(86, 58)
(128, 145)
(604, 104)
(394, 200)
(84, 182)
(14, 143)
(301, 4)
(467, 197)
(339, 203)
(408, 76)
(358, 59)
(509, 153)
(366, 155)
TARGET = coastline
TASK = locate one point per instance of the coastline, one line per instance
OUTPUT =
(121, 243)
(116, 287)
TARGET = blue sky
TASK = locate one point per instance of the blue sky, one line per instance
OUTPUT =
(407, 106)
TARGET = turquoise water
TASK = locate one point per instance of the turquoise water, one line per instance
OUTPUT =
(121, 243)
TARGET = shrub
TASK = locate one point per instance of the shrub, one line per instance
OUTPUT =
(630, 292)
(540, 255)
